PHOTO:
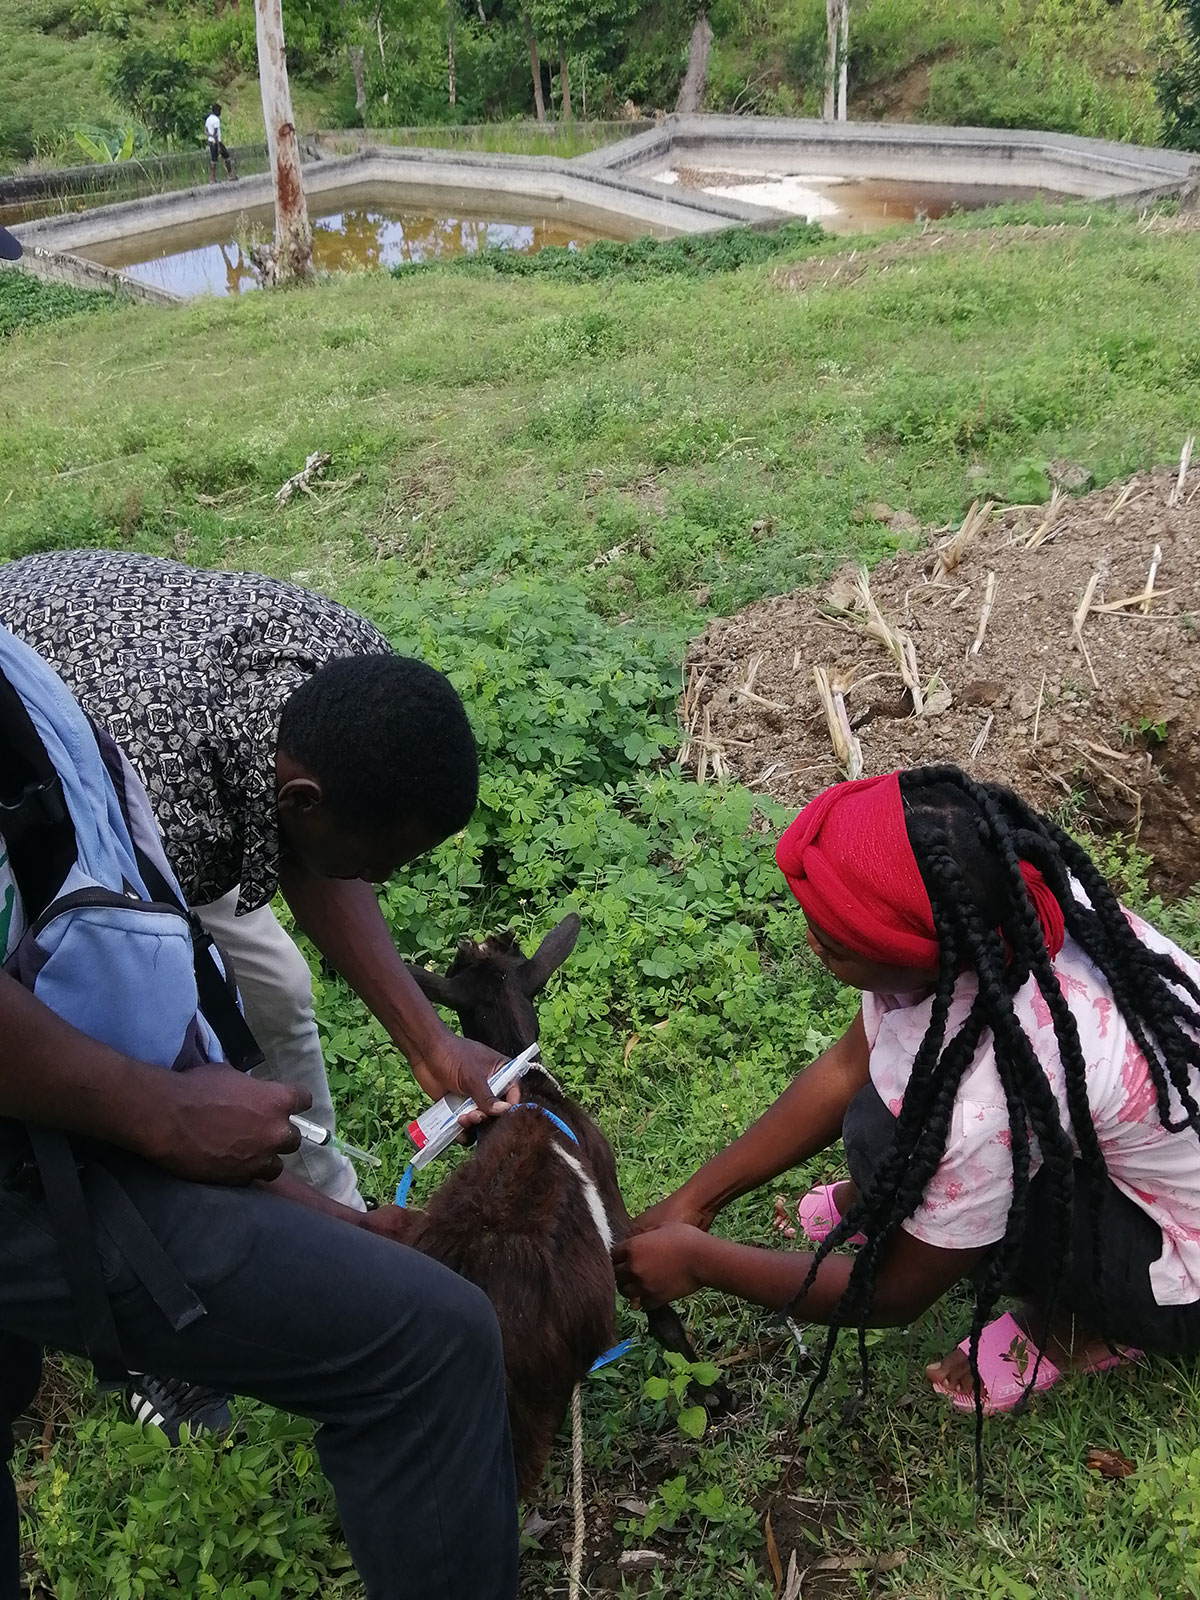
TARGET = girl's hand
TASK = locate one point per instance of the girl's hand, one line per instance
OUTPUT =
(676, 1208)
(665, 1264)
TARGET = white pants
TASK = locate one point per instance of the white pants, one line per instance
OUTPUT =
(276, 989)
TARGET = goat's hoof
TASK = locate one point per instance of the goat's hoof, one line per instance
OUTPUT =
(717, 1399)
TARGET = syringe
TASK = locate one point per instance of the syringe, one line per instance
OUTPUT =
(314, 1133)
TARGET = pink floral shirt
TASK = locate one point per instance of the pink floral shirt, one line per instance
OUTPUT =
(966, 1203)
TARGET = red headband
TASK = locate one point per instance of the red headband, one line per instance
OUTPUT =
(848, 860)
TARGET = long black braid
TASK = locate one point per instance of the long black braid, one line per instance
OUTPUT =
(969, 840)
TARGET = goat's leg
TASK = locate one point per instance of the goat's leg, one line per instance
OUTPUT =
(664, 1322)
(666, 1327)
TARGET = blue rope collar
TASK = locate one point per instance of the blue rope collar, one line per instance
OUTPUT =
(532, 1105)
(405, 1185)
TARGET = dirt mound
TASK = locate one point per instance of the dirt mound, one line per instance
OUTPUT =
(1103, 716)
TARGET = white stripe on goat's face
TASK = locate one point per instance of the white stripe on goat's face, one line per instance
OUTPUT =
(592, 1195)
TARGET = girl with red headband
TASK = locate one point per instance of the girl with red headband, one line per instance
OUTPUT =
(1017, 1100)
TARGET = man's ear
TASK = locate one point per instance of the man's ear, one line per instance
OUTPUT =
(299, 795)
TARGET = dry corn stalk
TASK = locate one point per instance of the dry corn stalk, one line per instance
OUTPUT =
(1138, 599)
(1185, 459)
(985, 613)
(951, 551)
(1155, 559)
(847, 751)
(1045, 530)
(1081, 616)
(1119, 502)
(894, 640)
(982, 737)
(691, 711)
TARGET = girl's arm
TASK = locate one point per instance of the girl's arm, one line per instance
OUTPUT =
(806, 1119)
(676, 1260)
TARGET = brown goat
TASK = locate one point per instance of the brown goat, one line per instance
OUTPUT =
(532, 1217)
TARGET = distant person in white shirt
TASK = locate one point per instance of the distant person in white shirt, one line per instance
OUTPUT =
(216, 149)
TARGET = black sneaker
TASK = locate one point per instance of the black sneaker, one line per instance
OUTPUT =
(168, 1403)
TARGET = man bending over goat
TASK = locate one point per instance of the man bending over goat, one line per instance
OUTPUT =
(283, 746)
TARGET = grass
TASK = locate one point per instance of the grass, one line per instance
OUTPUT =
(492, 438)
(517, 138)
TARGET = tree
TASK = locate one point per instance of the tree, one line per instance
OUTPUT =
(567, 27)
(292, 259)
(837, 61)
(535, 66)
(1178, 83)
(691, 91)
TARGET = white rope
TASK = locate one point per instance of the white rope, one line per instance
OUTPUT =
(577, 1490)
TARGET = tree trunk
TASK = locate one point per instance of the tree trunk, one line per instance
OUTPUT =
(564, 84)
(360, 85)
(832, 20)
(844, 61)
(293, 236)
(691, 91)
(535, 66)
(450, 4)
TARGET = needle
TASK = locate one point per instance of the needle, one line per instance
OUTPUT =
(316, 1134)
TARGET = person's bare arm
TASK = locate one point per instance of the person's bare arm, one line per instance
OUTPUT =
(806, 1118)
(393, 1222)
(212, 1124)
(343, 919)
(676, 1260)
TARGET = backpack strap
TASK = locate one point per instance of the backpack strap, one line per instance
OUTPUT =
(216, 993)
(31, 803)
(71, 1220)
(219, 1006)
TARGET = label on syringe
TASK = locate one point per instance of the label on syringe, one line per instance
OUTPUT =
(438, 1127)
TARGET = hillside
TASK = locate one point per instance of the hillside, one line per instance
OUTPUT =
(1083, 66)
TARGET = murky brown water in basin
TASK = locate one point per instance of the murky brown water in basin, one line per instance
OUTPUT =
(849, 205)
(207, 258)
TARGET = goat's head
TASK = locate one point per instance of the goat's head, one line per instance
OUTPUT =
(493, 985)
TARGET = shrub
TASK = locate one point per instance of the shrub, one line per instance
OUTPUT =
(1178, 82)
(158, 84)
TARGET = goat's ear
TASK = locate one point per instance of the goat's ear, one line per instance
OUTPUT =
(442, 991)
(550, 955)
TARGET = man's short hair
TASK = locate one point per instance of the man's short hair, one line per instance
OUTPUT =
(387, 738)
(216, 106)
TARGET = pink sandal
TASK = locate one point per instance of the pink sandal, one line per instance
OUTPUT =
(819, 1215)
(1006, 1360)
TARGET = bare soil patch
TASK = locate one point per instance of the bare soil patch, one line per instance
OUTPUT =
(1104, 718)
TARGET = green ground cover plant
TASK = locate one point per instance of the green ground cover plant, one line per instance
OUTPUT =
(25, 302)
(544, 486)
(692, 255)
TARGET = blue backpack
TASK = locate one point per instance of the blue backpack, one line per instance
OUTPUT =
(109, 944)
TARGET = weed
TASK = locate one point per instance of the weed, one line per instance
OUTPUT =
(25, 302)
(695, 255)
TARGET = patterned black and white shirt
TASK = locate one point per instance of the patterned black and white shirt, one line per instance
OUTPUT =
(189, 671)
